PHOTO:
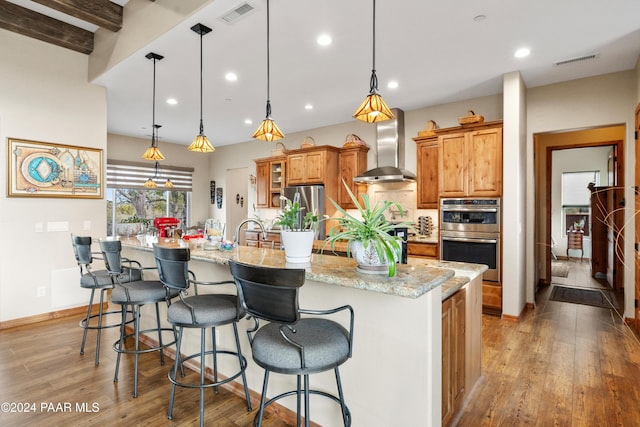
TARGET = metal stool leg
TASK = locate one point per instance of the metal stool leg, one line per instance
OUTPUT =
(137, 352)
(346, 416)
(86, 324)
(244, 377)
(120, 342)
(262, 399)
(159, 335)
(100, 314)
(175, 372)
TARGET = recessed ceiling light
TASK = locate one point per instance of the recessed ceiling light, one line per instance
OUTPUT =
(232, 77)
(392, 84)
(308, 107)
(172, 101)
(248, 121)
(324, 40)
(479, 18)
(522, 52)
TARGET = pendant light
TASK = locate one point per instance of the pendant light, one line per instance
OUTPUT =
(201, 143)
(153, 153)
(150, 183)
(268, 129)
(373, 109)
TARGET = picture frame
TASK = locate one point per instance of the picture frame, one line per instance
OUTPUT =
(44, 169)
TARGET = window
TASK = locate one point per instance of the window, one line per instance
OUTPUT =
(576, 199)
(128, 199)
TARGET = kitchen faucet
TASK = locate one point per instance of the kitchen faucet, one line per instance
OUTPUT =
(236, 237)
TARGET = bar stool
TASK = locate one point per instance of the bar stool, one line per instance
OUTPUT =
(132, 295)
(98, 280)
(202, 311)
(290, 344)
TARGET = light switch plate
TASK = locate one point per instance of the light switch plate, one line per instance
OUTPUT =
(87, 225)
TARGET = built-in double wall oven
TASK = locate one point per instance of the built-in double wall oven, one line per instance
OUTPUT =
(470, 232)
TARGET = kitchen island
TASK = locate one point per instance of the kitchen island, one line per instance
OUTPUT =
(394, 376)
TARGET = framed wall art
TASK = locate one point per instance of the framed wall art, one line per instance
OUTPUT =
(43, 169)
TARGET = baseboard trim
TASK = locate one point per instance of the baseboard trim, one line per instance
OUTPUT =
(80, 312)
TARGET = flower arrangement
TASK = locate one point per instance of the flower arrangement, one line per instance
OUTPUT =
(290, 217)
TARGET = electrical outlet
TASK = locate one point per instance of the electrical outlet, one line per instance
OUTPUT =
(42, 291)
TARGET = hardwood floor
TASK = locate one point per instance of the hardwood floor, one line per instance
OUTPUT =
(563, 364)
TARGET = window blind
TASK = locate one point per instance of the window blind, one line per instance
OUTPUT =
(124, 174)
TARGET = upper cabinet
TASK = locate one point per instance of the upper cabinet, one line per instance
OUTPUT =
(313, 165)
(270, 180)
(353, 162)
(427, 173)
(470, 160)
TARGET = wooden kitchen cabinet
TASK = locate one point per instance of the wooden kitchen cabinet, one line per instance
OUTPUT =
(254, 238)
(313, 165)
(270, 180)
(423, 249)
(427, 173)
(470, 160)
(353, 162)
(453, 354)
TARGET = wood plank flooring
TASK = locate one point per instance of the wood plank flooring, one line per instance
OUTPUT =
(563, 364)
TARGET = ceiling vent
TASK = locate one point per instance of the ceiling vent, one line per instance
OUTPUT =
(576, 59)
(237, 12)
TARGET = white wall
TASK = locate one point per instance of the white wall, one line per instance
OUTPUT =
(596, 101)
(573, 160)
(45, 97)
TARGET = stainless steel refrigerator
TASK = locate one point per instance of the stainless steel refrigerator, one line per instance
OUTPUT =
(312, 199)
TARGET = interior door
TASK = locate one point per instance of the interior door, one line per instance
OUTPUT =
(637, 209)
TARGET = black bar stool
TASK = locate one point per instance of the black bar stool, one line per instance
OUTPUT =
(132, 295)
(290, 344)
(202, 311)
(98, 280)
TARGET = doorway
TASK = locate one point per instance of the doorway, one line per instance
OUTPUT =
(545, 144)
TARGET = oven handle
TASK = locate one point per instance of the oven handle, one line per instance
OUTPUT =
(468, 240)
(467, 209)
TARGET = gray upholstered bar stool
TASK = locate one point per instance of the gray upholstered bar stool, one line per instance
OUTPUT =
(98, 280)
(290, 344)
(201, 311)
(132, 295)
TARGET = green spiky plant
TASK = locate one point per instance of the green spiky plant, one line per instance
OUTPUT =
(372, 229)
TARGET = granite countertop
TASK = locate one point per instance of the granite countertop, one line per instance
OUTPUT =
(412, 280)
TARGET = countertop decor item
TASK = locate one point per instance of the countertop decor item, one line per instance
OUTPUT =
(268, 129)
(373, 109)
(201, 143)
(153, 153)
(298, 230)
(352, 140)
(376, 251)
(470, 118)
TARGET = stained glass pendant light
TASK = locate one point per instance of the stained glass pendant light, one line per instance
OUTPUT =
(153, 153)
(201, 143)
(373, 109)
(268, 129)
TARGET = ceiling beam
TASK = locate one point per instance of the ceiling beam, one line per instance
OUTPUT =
(103, 13)
(32, 24)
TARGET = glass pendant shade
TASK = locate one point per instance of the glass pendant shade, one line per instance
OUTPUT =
(150, 183)
(268, 129)
(373, 109)
(168, 183)
(152, 153)
(201, 143)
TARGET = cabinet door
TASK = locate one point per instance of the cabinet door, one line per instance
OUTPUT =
(458, 348)
(485, 162)
(447, 397)
(315, 167)
(428, 175)
(296, 164)
(353, 162)
(452, 165)
(262, 184)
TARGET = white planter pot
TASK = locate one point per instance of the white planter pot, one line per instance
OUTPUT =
(297, 245)
(128, 229)
(367, 259)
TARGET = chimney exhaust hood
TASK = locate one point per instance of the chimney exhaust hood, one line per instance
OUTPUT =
(390, 147)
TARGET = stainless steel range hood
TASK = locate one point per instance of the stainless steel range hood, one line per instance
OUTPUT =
(390, 146)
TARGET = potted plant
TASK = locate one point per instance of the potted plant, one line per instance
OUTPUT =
(368, 239)
(298, 231)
